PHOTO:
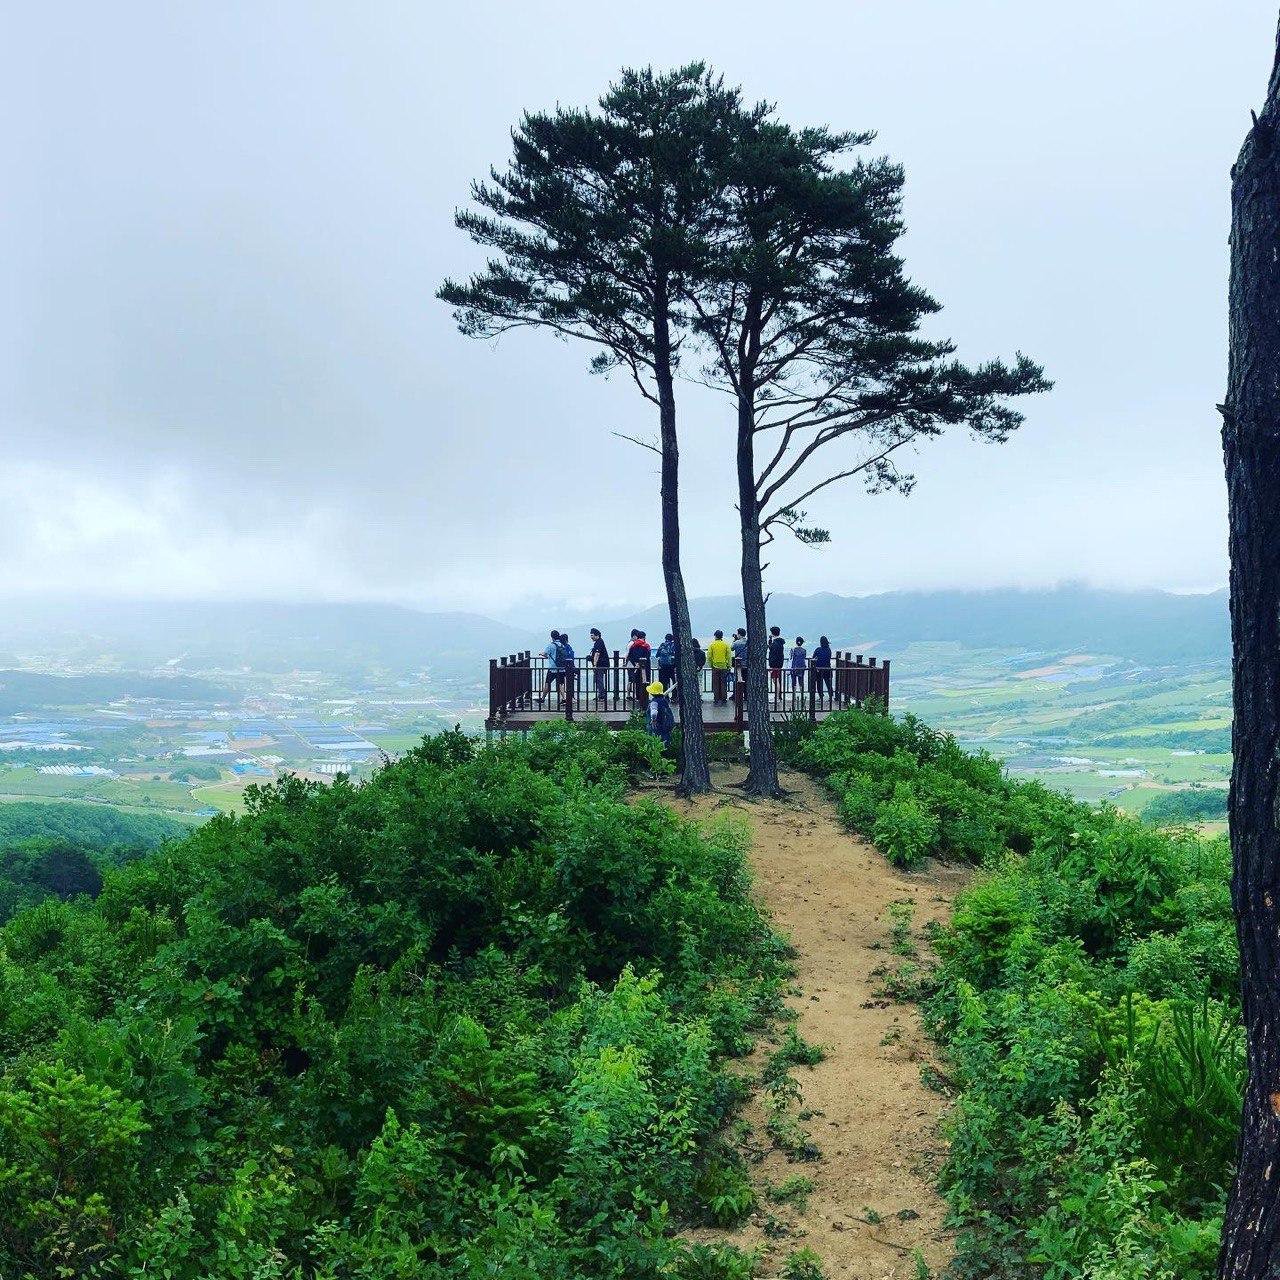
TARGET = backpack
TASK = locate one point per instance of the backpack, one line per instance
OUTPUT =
(564, 651)
(666, 717)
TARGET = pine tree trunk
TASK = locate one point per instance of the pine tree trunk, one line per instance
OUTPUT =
(1251, 446)
(762, 777)
(695, 772)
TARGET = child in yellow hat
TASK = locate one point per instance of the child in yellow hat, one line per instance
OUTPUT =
(660, 719)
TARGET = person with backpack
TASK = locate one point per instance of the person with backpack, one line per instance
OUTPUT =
(638, 660)
(665, 655)
(552, 655)
(699, 662)
(739, 647)
(720, 656)
(822, 668)
(777, 655)
(799, 665)
(568, 670)
(660, 719)
(599, 660)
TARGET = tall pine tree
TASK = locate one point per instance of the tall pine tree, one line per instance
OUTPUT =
(599, 228)
(813, 329)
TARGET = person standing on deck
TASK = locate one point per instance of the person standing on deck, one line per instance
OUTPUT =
(799, 665)
(568, 670)
(638, 657)
(822, 668)
(665, 656)
(777, 655)
(552, 655)
(599, 660)
(720, 658)
(739, 647)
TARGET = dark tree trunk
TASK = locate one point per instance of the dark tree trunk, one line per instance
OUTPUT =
(695, 772)
(1251, 446)
(762, 778)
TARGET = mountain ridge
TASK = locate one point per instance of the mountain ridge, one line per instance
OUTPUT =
(1149, 626)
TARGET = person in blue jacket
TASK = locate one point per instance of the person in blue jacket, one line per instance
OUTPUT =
(660, 719)
(552, 655)
(665, 656)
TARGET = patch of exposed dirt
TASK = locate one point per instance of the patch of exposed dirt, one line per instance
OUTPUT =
(865, 1105)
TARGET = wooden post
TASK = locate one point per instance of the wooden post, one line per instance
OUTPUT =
(739, 705)
(886, 684)
(493, 687)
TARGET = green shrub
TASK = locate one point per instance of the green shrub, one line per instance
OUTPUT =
(905, 828)
(468, 1018)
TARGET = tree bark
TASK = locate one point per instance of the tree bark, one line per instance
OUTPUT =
(762, 776)
(695, 771)
(1251, 448)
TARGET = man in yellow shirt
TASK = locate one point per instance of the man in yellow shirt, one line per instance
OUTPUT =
(720, 660)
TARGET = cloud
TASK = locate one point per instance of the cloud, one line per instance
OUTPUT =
(223, 370)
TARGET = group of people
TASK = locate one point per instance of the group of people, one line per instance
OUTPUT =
(727, 660)
(562, 664)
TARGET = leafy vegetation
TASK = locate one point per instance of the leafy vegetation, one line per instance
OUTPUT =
(470, 1018)
(1195, 804)
(89, 825)
(62, 849)
(1086, 999)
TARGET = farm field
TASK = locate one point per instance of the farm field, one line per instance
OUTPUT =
(1096, 726)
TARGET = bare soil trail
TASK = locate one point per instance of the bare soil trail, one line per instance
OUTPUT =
(865, 1105)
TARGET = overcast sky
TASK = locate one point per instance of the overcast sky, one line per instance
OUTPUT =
(223, 371)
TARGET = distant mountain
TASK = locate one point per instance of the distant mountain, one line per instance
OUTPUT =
(1147, 626)
(343, 639)
(30, 691)
(352, 640)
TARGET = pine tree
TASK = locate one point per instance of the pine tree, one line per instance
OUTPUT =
(1251, 446)
(599, 228)
(813, 329)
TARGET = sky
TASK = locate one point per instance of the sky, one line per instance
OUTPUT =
(224, 372)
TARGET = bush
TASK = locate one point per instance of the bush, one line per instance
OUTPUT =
(905, 828)
(468, 1018)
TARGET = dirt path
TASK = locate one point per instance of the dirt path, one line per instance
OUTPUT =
(873, 1201)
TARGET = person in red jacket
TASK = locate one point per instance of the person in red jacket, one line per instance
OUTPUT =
(639, 663)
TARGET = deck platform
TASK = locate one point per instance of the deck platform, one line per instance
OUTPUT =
(520, 697)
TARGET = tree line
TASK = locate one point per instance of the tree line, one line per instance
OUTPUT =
(686, 235)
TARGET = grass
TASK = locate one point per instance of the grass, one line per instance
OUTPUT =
(395, 743)
(29, 783)
(226, 797)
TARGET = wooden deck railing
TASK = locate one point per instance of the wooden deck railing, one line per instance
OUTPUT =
(519, 685)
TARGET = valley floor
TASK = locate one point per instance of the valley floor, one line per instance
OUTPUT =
(873, 1201)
